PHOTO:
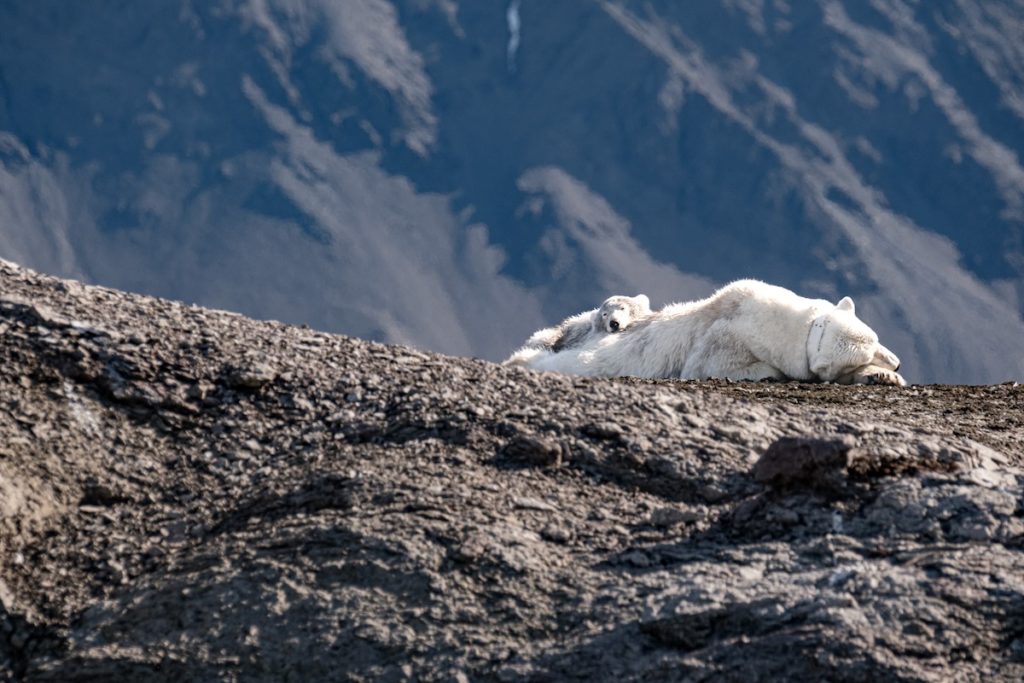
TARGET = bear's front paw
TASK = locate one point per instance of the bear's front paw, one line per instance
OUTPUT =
(876, 375)
(872, 374)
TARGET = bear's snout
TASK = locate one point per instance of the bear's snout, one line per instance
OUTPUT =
(886, 359)
(613, 325)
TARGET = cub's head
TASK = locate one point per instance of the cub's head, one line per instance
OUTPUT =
(839, 342)
(619, 312)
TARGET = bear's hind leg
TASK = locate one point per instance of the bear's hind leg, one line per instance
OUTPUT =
(525, 356)
(755, 372)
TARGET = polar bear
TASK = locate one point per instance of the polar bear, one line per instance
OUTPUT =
(615, 314)
(747, 330)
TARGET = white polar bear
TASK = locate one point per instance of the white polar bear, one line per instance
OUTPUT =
(747, 330)
(615, 314)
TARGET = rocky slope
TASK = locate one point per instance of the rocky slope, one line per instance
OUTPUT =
(188, 494)
(454, 174)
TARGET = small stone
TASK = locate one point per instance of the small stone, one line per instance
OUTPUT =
(198, 391)
(534, 450)
(666, 517)
(976, 531)
(251, 377)
(526, 503)
(472, 549)
(782, 515)
(556, 533)
(695, 422)
(608, 431)
(840, 576)
(637, 558)
(751, 573)
(509, 674)
(712, 493)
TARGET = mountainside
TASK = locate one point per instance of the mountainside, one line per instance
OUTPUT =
(455, 175)
(190, 495)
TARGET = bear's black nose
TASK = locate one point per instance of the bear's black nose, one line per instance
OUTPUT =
(897, 368)
(614, 324)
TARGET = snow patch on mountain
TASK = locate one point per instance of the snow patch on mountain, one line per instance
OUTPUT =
(589, 248)
(363, 32)
(514, 26)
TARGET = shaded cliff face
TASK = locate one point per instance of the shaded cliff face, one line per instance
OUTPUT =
(456, 175)
(192, 495)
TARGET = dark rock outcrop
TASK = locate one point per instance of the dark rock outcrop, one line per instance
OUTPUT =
(188, 494)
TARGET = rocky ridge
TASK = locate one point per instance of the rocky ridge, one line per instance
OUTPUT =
(188, 494)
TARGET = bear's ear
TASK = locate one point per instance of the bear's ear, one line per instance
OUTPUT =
(845, 304)
(643, 300)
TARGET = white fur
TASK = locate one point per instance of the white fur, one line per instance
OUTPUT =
(614, 315)
(619, 312)
(748, 330)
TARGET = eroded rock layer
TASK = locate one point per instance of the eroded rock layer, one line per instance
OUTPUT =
(187, 494)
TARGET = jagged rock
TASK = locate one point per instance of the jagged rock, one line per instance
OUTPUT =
(250, 376)
(806, 462)
(536, 450)
(178, 508)
(669, 517)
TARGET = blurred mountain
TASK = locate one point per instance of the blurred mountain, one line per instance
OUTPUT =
(454, 175)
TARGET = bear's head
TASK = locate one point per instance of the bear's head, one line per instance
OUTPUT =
(619, 312)
(840, 342)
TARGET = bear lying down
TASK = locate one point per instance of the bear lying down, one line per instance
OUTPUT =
(615, 314)
(747, 330)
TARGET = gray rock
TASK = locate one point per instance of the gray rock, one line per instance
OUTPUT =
(420, 530)
(535, 450)
(806, 462)
(250, 377)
